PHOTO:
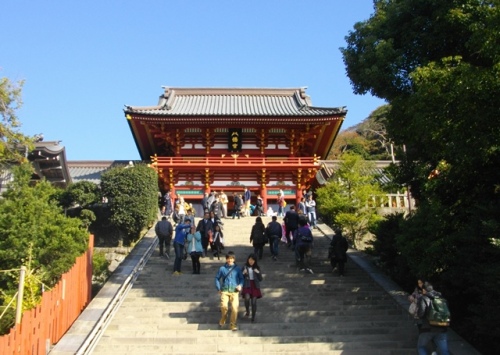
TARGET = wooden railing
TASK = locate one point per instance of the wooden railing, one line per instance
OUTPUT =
(390, 203)
(43, 326)
(235, 160)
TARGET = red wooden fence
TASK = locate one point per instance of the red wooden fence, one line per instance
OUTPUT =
(44, 325)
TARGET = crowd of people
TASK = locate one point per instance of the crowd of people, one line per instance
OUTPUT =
(207, 233)
(294, 233)
(196, 239)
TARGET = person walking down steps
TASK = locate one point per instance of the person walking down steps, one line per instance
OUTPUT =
(251, 287)
(337, 252)
(258, 237)
(229, 282)
(181, 232)
(195, 249)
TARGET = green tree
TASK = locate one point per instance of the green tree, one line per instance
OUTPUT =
(349, 197)
(29, 214)
(82, 197)
(437, 64)
(14, 145)
(35, 233)
(133, 198)
(385, 246)
(81, 193)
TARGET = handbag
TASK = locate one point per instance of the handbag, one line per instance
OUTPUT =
(413, 308)
(210, 236)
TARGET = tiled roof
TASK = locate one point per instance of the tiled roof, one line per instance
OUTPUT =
(49, 161)
(328, 168)
(86, 170)
(235, 102)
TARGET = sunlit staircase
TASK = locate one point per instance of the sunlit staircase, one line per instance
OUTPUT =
(300, 313)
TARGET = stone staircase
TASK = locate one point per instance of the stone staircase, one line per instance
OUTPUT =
(300, 313)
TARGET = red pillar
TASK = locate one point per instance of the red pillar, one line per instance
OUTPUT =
(298, 194)
(263, 194)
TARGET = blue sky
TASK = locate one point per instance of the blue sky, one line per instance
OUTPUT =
(83, 61)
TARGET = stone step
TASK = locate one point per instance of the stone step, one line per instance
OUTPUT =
(255, 329)
(296, 311)
(306, 345)
(334, 325)
(271, 305)
(266, 322)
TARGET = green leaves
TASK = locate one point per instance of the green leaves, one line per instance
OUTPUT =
(346, 198)
(29, 216)
(13, 144)
(437, 63)
(133, 198)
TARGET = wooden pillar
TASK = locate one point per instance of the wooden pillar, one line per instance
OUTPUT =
(298, 187)
(171, 181)
(263, 180)
(208, 179)
(263, 194)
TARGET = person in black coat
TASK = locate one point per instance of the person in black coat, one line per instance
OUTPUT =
(338, 250)
(258, 237)
(259, 206)
(291, 223)
(274, 232)
(205, 227)
(238, 202)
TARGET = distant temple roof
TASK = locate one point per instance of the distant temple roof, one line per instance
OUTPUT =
(91, 170)
(234, 102)
(328, 168)
(49, 161)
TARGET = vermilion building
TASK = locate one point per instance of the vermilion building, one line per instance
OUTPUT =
(205, 139)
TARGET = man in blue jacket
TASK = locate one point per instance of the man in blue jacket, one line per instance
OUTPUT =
(229, 282)
(181, 232)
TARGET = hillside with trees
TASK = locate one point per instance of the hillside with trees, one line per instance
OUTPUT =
(369, 139)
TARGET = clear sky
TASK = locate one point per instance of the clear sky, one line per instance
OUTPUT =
(84, 60)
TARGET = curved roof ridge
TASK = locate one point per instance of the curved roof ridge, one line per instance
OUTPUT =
(234, 102)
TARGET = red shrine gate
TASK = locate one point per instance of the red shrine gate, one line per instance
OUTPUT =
(206, 139)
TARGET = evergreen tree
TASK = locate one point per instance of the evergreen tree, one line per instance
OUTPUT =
(351, 196)
(133, 199)
(34, 232)
(437, 63)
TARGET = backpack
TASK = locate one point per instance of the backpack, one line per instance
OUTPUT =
(438, 313)
(305, 238)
